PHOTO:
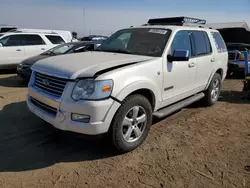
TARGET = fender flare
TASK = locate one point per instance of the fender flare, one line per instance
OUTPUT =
(138, 85)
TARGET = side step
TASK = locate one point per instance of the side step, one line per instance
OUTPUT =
(177, 106)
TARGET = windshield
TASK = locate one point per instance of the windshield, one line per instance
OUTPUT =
(138, 41)
(59, 49)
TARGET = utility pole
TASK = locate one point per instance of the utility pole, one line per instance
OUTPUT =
(84, 15)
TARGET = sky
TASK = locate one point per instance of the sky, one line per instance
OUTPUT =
(107, 16)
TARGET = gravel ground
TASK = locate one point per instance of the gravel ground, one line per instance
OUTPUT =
(196, 147)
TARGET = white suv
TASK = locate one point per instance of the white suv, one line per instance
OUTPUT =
(134, 75)
(18, 46)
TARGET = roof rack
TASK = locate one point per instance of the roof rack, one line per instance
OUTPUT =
(33, 31)
(180, 21)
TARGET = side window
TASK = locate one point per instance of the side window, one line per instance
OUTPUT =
(219, 42)
(31, 40)
(55, 39)
(208, 44)
(12, 40)
(181, 42)
(199, 42)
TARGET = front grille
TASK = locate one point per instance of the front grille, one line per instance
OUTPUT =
(232, 56)
(50, 84)
(43, 106)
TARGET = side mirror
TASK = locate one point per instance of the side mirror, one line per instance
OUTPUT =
(179, 55)
(1, 45)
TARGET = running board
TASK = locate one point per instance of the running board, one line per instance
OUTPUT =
(178, 106)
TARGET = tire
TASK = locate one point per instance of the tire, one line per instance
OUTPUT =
(121, 129)
(210, 99)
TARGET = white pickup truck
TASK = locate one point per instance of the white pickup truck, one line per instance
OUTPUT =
(137, 73)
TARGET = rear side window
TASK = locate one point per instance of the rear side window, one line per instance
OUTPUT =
(201, 43)
(219, 42)
(33, 40)
(55, 39)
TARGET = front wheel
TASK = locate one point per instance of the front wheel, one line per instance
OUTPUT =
(131, 123)
(213, 92)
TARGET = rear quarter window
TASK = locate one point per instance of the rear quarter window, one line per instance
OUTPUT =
(55, 39)
(219, 42)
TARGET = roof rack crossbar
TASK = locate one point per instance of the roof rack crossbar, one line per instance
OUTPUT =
(176, 21)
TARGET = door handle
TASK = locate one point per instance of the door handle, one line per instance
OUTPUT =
(42, 48)
(18, 50)
(213, 60)
(191, 64)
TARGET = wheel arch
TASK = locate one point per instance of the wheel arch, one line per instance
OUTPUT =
(143, 88)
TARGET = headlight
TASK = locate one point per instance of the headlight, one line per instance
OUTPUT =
(90, 89)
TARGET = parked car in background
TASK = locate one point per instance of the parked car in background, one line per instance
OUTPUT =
(24, 71)
(236, 58)
(137, 73)
(237, 38)
(94, 38)
(17, 46)
(66, 35)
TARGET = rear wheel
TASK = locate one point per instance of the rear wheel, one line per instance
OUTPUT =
(131, 123)
(213, 92)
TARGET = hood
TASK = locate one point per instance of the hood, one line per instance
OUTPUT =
(32, 60)
(85, 64)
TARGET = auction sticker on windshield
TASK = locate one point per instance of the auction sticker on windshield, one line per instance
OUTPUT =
(158, 31)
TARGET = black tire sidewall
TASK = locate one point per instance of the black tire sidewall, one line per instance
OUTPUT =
(116, 127)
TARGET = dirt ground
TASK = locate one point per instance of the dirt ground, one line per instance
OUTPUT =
(196, 147)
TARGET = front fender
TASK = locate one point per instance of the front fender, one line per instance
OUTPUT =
(132, 87)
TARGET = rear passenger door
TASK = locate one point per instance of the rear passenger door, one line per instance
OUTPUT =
(204, 58)
(34, 45)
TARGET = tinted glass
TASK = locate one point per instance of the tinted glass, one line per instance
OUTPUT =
(181, 42)
(87, 47)
(208, 44)
(219, 42)
(139, 41)
(199, 43)
(55, 39)
(12, 40)
(59, 49)
(33, 40)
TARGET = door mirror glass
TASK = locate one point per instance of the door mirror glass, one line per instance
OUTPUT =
(179, 55)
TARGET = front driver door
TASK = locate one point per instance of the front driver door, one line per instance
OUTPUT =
(179, 76)
(12, 51)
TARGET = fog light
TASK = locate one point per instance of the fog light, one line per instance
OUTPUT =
(80, 118)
